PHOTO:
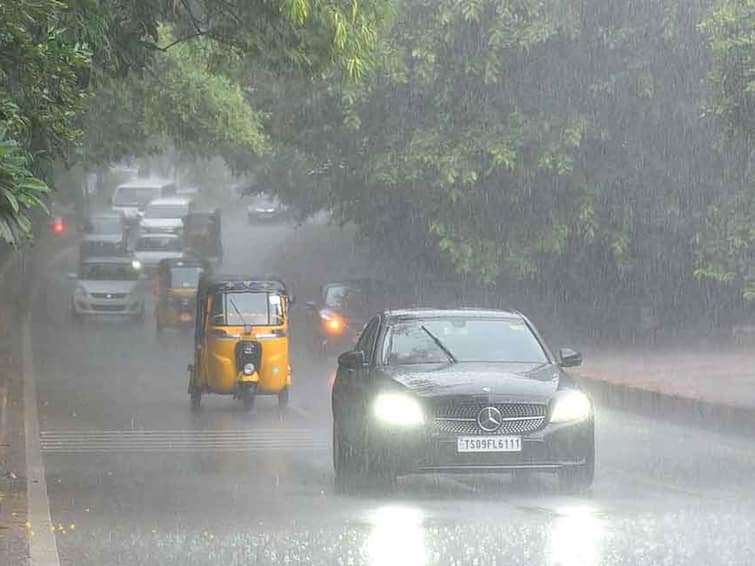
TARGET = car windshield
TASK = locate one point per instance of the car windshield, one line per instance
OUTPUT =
(166, 211)
(108, 271)
(465, 339)
(165, 243)
(239, 309)
(106, 225)
(186, 277)
(355, 299)
(133, 196)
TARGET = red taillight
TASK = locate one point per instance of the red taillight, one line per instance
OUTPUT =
(58, 227)
(333, 325)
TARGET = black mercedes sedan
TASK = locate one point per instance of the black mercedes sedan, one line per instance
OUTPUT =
(458, 391)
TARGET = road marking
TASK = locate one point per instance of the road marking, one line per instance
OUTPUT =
(162, 441)
(43, 548)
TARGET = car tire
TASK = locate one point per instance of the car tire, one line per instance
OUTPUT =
(577, 479)
(344, 463)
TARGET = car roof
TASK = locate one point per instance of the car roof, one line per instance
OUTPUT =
(169, 201)
(108, 214)
(422, 313)
(224, 282)
(109, 259)
(183, 262)
(155, 236)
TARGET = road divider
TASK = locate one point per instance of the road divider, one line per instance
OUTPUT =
(718, 417)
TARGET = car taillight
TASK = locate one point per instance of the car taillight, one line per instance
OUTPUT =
(58, 227)
(333, 324)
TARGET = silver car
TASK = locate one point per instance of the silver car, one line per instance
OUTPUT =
(108, 286)
(150, 249)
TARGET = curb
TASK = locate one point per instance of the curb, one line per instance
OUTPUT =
(717, 417)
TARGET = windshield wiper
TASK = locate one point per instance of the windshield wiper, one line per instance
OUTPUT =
(238, 312)
(440, 345)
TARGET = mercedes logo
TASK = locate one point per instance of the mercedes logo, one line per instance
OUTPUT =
(489, 419)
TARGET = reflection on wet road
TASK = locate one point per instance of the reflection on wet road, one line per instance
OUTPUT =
(135, 478)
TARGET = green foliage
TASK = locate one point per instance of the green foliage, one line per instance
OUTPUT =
(554, 146)
(19, 192)
(726, 243)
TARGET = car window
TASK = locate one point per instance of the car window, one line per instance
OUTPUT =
(108, 272)
(367, 339)
(166, 211)
(134, 196)
(465, 339)
(158, 244)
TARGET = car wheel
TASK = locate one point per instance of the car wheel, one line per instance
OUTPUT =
(283, 399)
(576, 479)
(344, 462)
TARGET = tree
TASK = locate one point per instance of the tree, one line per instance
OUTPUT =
(54, 56)
(546, 148)
(726, 243)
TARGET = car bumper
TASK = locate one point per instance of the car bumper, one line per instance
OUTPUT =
(86, 307)
(549, 449)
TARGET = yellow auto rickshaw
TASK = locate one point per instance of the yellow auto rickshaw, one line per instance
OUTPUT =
(241, 340)
(176, 291)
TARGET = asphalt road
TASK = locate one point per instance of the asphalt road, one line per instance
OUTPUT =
(135, 478)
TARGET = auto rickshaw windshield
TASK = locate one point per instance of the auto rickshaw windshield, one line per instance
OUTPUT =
(243, 308)
(185, 277)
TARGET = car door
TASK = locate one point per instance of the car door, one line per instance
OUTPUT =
(351, 387)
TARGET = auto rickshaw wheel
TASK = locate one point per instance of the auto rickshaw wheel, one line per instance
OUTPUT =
(248, 393)
(196, 399)
(283, 399)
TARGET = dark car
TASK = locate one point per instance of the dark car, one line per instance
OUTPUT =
(478, 391)
(344, 307)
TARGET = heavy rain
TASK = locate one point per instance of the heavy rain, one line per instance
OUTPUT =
(377, 282)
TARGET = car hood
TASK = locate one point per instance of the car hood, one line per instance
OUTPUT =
(154, 256)
(108, 286)
(108, 238)
(161, 222)
(497, 382)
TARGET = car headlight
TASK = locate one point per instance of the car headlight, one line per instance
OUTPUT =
(397, 409)
(570, 406)
(80, 292)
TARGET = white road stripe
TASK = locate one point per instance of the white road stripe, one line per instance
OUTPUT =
(114, 441)
(43, 547)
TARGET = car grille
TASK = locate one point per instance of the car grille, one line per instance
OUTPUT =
(109, 295)
(518, 418)
(109, 308)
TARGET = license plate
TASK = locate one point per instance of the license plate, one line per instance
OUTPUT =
(185, 317)
(489, 444)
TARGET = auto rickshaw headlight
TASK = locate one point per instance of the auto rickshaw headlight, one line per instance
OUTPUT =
(249, 369)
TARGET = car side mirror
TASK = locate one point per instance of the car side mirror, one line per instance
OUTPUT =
(569, 358)
(352, 360)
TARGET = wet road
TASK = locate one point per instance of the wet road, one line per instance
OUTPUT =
(135, 478)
